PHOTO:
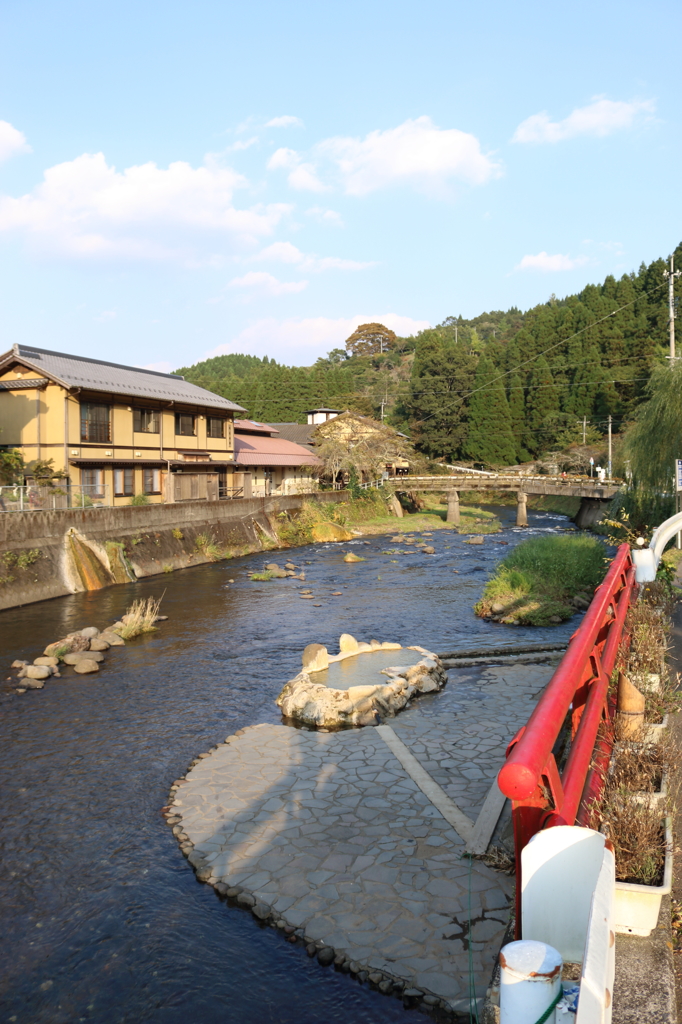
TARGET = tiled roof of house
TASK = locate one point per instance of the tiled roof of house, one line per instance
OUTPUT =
(299, 433)
(114, 378)
(256, 450)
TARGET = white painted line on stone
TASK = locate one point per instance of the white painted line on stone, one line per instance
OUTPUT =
(463, 825)
(486, 821)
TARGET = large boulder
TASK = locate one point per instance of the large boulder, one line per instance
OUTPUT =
(78, 656)
(348, 643)
(324, 532)
(90, 632)
(113, 639)
(37, 671)
(350, 557)
(315, 658)
(99, 645)
(67, 645)
(85, 665)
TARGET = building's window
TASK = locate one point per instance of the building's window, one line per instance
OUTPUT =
(123, 483)
(92, 482)
(146, 421)
(95, 423)
(152, 481)
(185, 424)
(216, 426)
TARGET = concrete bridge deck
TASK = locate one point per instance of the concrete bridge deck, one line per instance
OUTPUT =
(566, 488)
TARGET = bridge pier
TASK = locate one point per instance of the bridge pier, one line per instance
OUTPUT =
(591, 512)
(453, 508)
(521, 510)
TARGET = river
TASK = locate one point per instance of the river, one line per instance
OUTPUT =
(102, 918)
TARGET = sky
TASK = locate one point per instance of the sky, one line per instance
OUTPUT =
(179, 181)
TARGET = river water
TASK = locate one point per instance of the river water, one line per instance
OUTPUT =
(102, 918)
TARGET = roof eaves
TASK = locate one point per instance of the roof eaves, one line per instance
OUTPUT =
(14, 355)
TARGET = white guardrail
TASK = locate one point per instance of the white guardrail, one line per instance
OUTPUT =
(575, 866)
(647, 559)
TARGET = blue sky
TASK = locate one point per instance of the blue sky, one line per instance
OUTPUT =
(180, 180)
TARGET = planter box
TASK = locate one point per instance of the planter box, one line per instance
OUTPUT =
(654, 732)
(656, 798)
(647, 682)
(636, 907)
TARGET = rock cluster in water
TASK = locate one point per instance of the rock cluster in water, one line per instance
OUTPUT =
(83, 650)
(315, 704)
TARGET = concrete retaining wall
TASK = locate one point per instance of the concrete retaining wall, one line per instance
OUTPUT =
(148, 539)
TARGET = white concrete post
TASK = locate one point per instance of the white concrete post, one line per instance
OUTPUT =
(521, 511)
(530, 981)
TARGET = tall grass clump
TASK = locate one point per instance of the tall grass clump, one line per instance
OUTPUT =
(543, 580)
(139, 618)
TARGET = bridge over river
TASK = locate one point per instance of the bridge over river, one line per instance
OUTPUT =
(594, 494)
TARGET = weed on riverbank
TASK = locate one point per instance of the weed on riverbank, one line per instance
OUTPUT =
(543, 580)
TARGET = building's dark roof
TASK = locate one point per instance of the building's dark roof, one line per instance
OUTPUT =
(321, 408)
(299, 433)
(114, 378)
(252, 427)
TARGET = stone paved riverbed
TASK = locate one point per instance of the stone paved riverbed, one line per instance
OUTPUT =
(330, 835)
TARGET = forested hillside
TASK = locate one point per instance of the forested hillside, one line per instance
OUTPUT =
(500, 388)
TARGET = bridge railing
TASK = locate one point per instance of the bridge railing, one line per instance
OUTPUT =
(542, 796)
(516, 478)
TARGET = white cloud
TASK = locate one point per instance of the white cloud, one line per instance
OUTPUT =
(285, 252)
(85, 208)
(323, 216)
(416, 153)
(266, 284)
(551, 264)
(600, 117)
(302, 176)
(299, 341)
(242, 144)
(12, 141)
(108, 314)
(286, 121)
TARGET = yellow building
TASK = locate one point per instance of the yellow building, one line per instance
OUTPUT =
(116, 431)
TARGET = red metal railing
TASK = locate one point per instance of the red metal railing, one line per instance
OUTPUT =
(540, 796)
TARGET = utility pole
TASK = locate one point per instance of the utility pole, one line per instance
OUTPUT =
(584, 428)
(610, 448)
(455, 335)
(671, 275)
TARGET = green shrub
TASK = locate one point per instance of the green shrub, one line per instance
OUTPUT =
(139, 499)
(262, 576)
(566, 565)
(534, 584)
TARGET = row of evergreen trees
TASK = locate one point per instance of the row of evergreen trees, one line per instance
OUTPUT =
(497, 389)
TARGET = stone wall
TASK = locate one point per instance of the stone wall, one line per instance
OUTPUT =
(131, 541)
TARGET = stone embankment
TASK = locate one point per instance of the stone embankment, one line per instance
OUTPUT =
(51, 554)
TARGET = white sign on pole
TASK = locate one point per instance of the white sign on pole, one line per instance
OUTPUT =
(678, 473)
